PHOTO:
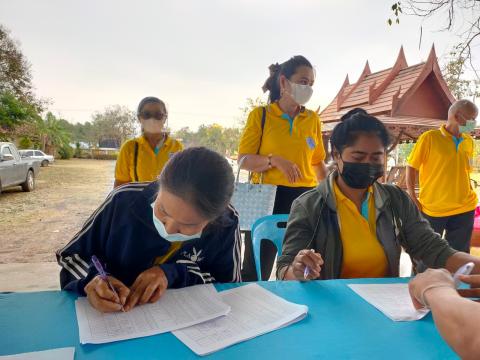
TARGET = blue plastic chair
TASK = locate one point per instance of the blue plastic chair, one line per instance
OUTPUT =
(267, 227)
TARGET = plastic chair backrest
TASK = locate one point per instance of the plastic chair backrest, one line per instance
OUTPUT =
(476, 223)
(271, 228)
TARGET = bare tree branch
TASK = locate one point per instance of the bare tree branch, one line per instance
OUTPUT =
(467, 30)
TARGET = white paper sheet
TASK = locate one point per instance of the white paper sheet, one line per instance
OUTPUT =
(176, 309)
(67, 353)
(255, 311)
(393, 300)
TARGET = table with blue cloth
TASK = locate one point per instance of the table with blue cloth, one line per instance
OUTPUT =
(339, 325)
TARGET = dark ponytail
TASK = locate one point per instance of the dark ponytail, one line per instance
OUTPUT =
(354, 123)
(287, 69)
(200, 177)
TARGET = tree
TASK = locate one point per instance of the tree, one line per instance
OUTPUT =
(453, 73)
(15, 113)
(186, 136)
(215, 137)
(53, 134)
(15, 75)
(459, 16)
(116, 123)
(250, 104)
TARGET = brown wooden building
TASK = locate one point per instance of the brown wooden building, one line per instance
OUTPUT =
(409, 100)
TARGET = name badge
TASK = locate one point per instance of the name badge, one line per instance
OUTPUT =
(311, 143)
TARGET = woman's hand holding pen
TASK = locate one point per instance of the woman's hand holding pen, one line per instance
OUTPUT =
(307, 265)
(101, 296)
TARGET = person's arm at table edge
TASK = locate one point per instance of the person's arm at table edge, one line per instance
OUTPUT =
(457, 320)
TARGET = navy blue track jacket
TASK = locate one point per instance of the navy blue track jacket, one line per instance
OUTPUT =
(122, 235)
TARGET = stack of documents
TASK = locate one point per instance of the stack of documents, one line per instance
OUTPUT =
(202, 318)
(178, 308)
(393, 300)
(255, 311)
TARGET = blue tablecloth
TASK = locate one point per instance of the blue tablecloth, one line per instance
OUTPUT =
(340, 325)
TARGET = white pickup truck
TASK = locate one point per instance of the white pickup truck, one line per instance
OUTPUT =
(16, 171)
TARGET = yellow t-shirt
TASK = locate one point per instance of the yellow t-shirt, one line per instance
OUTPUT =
(444, 164)
(149, 164)
(298, 140)
(363, 255)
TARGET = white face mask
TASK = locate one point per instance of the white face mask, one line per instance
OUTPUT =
(152, 126)
(468, 127)
(170, 237)
(301, 94)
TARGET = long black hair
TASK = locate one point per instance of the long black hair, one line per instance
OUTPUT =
(287, 69)
(200, 177)
(354, 123)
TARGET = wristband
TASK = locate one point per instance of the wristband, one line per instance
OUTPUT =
(430, 287)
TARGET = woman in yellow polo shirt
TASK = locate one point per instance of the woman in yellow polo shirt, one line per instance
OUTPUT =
(351, 226)
(283, 141)
(143, 158)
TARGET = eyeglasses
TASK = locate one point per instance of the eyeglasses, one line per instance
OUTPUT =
(156, 115)
(465, 118)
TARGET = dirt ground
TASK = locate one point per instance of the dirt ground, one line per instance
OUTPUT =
(33, 225)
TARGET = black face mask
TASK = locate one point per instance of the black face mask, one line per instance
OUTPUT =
(361, 175)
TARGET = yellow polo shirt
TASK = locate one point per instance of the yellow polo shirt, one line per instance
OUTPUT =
(363, 255)
(149, 164)
(298, 140)
(444, 164)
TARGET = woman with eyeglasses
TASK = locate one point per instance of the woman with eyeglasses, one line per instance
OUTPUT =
(143, 158)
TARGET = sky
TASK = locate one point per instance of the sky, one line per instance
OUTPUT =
(204, 58)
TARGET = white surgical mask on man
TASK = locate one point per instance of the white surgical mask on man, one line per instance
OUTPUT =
(301, 94)
(468, 127)
(170, 237)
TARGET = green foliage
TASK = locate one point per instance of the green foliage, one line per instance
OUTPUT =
(25, 143)
(115, 122)
(396, 10)
(215, 137)
(14, 112)
(53, 133)
(248, 107)
(453, 73)
(15, 75)
(404, 151)
(65, 152)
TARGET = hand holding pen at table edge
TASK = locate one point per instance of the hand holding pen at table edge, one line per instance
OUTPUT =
(104, 292)
(307, 265)
(101, 296)
(432, 281)
(108, 294)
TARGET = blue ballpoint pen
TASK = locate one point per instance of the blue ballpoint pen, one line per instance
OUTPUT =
(306, 272)
(104, 277)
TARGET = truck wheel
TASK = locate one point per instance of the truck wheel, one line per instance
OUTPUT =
(29, 183)
(44, 163)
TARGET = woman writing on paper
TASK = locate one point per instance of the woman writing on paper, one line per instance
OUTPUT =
(171, 233)
(286, 146)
